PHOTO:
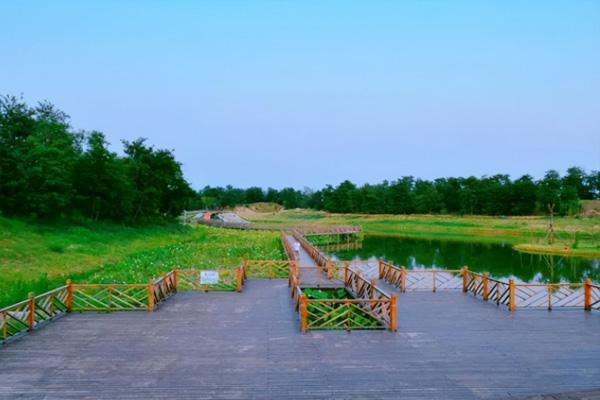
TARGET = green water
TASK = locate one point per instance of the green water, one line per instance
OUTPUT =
(501, 261)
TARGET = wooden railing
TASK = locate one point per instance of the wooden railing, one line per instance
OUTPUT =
(306, 230)
(163, 288)
(31, 313)
(230, 280)
(509, 293)
(486, 288)
(420, 279)
(266, 269)
(112, 297)
(289, 251)
(319, 257)
(371, 308)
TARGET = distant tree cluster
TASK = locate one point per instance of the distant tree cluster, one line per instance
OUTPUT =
(48, 171)
(494, 195)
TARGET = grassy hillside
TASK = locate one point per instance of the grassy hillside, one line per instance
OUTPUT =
(36, 257)
(574, 236)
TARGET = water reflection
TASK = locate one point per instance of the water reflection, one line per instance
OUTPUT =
(500, 260)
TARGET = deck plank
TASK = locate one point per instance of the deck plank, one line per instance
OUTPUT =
(244, 346)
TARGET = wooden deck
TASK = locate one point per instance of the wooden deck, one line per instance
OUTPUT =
(247, 345)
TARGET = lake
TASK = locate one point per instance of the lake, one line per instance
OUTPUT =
(500, 260)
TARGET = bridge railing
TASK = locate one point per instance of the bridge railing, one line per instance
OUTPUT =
(287, 247)
(317, 255)
(305, 230)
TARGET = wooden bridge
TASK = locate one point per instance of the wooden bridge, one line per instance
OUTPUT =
(247, 345)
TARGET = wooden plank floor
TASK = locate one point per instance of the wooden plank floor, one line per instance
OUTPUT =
(248, 346)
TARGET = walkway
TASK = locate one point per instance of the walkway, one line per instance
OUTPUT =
(310, 274)
(248, 346)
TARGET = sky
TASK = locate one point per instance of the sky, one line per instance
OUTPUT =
(307, 93)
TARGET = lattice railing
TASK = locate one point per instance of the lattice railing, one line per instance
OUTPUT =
(266, 269)
(28, 314)
(481, 285)
(230, 280)
(112, 297)
(420, 279)
(593, 296)
(164, 287)
(343, 314)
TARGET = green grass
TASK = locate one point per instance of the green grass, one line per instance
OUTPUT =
(38, 257)
(574, 236)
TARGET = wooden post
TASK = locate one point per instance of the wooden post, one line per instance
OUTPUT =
(239, 277)
(346, 274)
(379, 268)
(109, 302)
(69, 300)
(150, 296)
(465, 273)
(31, 311)
(511, 295)
(245, 266)
(587, 295)
(329, 266)
(402, 280)
(372, 292)
(549, 290)
(486, 290)
(3, 319)
(303, 314)
(175, 279)
(433, 277)
(393, 312)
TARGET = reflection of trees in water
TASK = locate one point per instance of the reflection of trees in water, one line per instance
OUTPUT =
(499, 261)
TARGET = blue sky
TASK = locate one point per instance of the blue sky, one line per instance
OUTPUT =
(305, 93)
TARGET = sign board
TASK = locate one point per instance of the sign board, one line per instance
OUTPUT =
(209, 277)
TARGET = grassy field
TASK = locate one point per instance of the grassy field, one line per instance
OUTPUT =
(574, 236)
(36, 257)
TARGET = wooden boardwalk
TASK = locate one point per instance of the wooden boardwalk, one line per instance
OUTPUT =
(247, 346)
(310, 274)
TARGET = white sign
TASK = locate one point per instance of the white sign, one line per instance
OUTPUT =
(209, 277)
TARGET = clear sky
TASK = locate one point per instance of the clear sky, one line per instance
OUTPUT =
(305, 93)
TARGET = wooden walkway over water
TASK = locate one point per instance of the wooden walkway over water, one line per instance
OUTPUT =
(247, 346)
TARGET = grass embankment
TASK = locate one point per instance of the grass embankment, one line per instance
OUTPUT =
(36, 257)
(574, 236)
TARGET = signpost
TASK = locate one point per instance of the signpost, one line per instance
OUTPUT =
(209, 277)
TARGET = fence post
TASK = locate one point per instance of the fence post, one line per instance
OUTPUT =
(486, 290)
(31, 311)
(393, 312)
(245, 265)
(433, 277)
(150, 296)
(329, 266)
(372, 293)
(69, 300)
(303, 314)
(402, 279)
(239, 274)
(175, 279)
(511, 295)
(345, 274)
(465, 273)
(379, 269)
(587, 295)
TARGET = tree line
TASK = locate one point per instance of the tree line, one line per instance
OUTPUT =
(47, 170)
(488, 195)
